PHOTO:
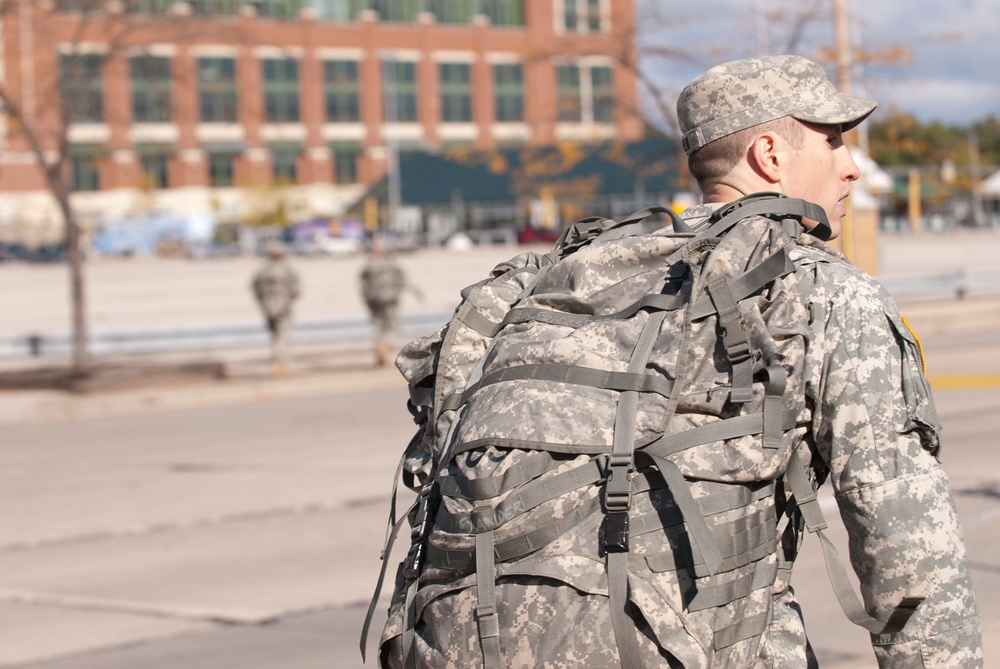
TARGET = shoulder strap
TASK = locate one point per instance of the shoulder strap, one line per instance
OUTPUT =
(592, 228)
(773, 205)
(798, 482)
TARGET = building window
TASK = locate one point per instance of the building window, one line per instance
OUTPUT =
(338, 10)
(585, 94)
(345, 162)
(341, 88)
(503, 12)
(277, 9)
(82, 87)
(583, 16)
(220, 169)
(396, 10)
(508, 92)
(451, 11)
(284, 163)
(568, 107)
(80, 6)
(83, 162)
(213, 7)
(217, 90)
(150, 89)
(602, 94)
(154, 161)
(399, 80)
(148, 6)
(456, 92)
(281, 90)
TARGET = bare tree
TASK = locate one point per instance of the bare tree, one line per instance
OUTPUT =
(64, 46)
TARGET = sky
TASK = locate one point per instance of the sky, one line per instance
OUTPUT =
(950, 72)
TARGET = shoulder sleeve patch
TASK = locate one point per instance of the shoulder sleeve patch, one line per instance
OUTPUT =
(920, 346)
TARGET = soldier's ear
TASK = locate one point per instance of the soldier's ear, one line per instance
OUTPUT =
(765, 157)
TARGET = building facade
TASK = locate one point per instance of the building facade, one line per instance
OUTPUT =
(188, 107)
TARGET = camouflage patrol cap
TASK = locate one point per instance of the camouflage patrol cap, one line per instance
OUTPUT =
(744, 93)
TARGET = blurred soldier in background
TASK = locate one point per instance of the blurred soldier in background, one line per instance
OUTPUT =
(276, 287)
(382, 284)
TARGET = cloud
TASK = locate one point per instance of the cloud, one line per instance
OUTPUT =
(952, 101)
(952, 49)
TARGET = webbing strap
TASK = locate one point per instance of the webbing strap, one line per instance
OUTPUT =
(775, 381)
(409, 629)
(522, 471)
(721, 430)
(771, 207)
(731, 497)
(743, 629)
(673, 561)
(776, 265)
(734, 339)
(392, 530)
(521, 501)
(582, 376)
(378, 585)
(807, 502)
(515, 547)
(701, 535)
(488, 328)
(713, 596)
(621, 622)
(486, 609)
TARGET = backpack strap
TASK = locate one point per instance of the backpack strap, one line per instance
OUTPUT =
(802, 489)
(770, 205)
(592, 228)
(618, 499)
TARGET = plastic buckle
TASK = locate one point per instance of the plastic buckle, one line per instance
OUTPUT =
(737, 345)
(414, 558)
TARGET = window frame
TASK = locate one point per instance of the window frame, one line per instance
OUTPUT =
(222, 95)
(341, 97)
(508, 93)
(280, 90)
(81, 75)
(405, 92)
(151, 93)
(455, 92)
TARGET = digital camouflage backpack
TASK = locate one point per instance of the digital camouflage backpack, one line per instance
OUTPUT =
(603, 437)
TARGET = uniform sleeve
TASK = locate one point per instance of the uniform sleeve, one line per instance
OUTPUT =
(876, 429)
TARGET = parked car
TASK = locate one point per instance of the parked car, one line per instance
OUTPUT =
(323, 244)
(530, 235)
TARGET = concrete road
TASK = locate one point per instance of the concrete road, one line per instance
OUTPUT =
(246, 531)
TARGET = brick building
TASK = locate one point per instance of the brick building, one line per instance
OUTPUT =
(186, 107)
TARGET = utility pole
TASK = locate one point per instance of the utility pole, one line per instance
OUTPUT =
(859, 228)
(843, 45)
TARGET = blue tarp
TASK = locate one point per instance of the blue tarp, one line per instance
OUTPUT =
(141, 234)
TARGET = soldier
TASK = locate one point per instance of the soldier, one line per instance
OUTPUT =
(382, 285)
(776, 124)
(619, 443)
(276, 287)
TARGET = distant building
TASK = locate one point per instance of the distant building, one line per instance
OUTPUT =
(492, 194)
(198, 102)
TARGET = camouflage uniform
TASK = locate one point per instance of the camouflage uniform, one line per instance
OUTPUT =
(875, 435)
(382, 284)
(276, 287)
(709, 588)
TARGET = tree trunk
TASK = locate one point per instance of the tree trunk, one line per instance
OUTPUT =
(78, 300)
